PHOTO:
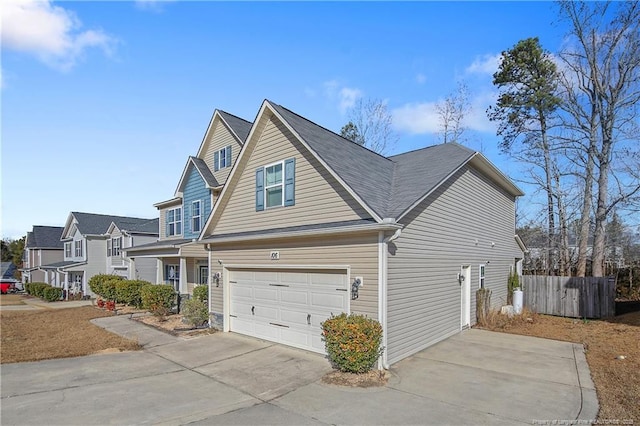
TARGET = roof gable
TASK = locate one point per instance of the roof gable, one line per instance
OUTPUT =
(99, 224)
(238, 127)
(201, 167)
(45, 237)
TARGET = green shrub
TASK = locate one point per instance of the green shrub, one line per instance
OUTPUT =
(52, 294)
(128, 291)
(353, 342)
(37, 289)
(195, 312)
(97, 285)
(158, 299)
(201, 293)
(27, 287)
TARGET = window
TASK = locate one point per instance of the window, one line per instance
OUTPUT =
(275, 185)
(67, 249)
(109, 248)
(172, 276)
(195, 216)
(204, 275)
(78, 248)
(481, 283)
(174, 222)
(222, 158)
(116, 244)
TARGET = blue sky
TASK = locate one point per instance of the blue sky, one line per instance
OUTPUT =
(102, 102)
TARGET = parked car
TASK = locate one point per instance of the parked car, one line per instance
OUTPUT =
(10, 285)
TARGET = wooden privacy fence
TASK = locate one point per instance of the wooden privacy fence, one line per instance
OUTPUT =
(574, 297)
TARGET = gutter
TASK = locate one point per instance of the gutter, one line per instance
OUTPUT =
(304, 233)
(383, 273)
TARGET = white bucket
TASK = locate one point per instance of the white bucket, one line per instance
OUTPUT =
(517, 302)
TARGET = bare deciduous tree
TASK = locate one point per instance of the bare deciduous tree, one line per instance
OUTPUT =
(370, 120)
(451, 113)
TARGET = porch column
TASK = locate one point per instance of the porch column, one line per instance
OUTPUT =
(159, 271)
(183, 275)
(132, 268)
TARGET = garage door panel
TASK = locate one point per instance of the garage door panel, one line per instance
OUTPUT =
(267, 294)
(268, 313)
(335, 301)
(294, 278)
(243, 276)
(242, 291)
(295, 338)
(266, 331)
(240, 308)
(297, 297)
(266, 276)
(294, 318)
(327, 279)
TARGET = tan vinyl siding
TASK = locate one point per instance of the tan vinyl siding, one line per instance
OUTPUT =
(358, 252)
(220, 137)
(193, 250)
(163, 223)
(439, 237)
(319, 198)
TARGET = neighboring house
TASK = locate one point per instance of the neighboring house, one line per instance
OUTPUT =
(181, 261)
(127, 232)
(310, 224)
(43, 247)
(86, 239)
(7, 270)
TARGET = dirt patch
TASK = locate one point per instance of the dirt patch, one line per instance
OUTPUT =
(173, 324)
(373, 378)
(56, 333)
(11, 299)
(612, 349)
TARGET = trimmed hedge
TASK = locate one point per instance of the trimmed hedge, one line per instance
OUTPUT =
(104, 285)
(128, 292)
(201, 293)
(195, 312)
(158, 299)
(353, 342)
(37, 289)
(52, 294)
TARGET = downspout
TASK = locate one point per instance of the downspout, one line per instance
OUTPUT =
(208, 247)
(382, 289)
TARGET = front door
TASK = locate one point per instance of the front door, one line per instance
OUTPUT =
(465, 296)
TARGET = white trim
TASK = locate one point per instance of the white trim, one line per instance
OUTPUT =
(281, 184)
(200, 204)
(168, 203)
(217, 114)
(285, 266)
(382, 296)
(301, 233)
(482, 276)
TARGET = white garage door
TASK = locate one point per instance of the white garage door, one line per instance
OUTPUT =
(286, 306)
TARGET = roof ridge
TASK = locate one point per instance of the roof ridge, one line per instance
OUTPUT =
(330, 131)
(235, 116)
(110, 215)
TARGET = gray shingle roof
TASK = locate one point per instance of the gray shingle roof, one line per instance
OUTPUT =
(45, 237)
(418, 172)
(98, 224)
(240, 126)
(369, 174)
(206, 174)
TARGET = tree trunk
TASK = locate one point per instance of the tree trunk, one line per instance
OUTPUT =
(585, 218)
(551, 235)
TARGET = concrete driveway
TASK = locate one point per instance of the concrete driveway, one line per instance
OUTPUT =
(473, 378)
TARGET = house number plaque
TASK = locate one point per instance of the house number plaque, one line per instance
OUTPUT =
(275, 255)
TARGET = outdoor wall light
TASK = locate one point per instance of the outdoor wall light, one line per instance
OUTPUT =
(354, 288)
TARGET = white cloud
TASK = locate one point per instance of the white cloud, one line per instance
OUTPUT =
(345, 96)
(50, 33)
(485, 64)
(422, 117)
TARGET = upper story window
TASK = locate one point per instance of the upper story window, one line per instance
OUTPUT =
(481, 283)
(174, 221)
(78, 248)
(275, 185)
(114, 246)
(67, 249)
(196, 216)
(222, 158)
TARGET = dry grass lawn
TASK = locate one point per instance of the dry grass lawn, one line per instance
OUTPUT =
(617, 380)
(11, 299)
(56, 333)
